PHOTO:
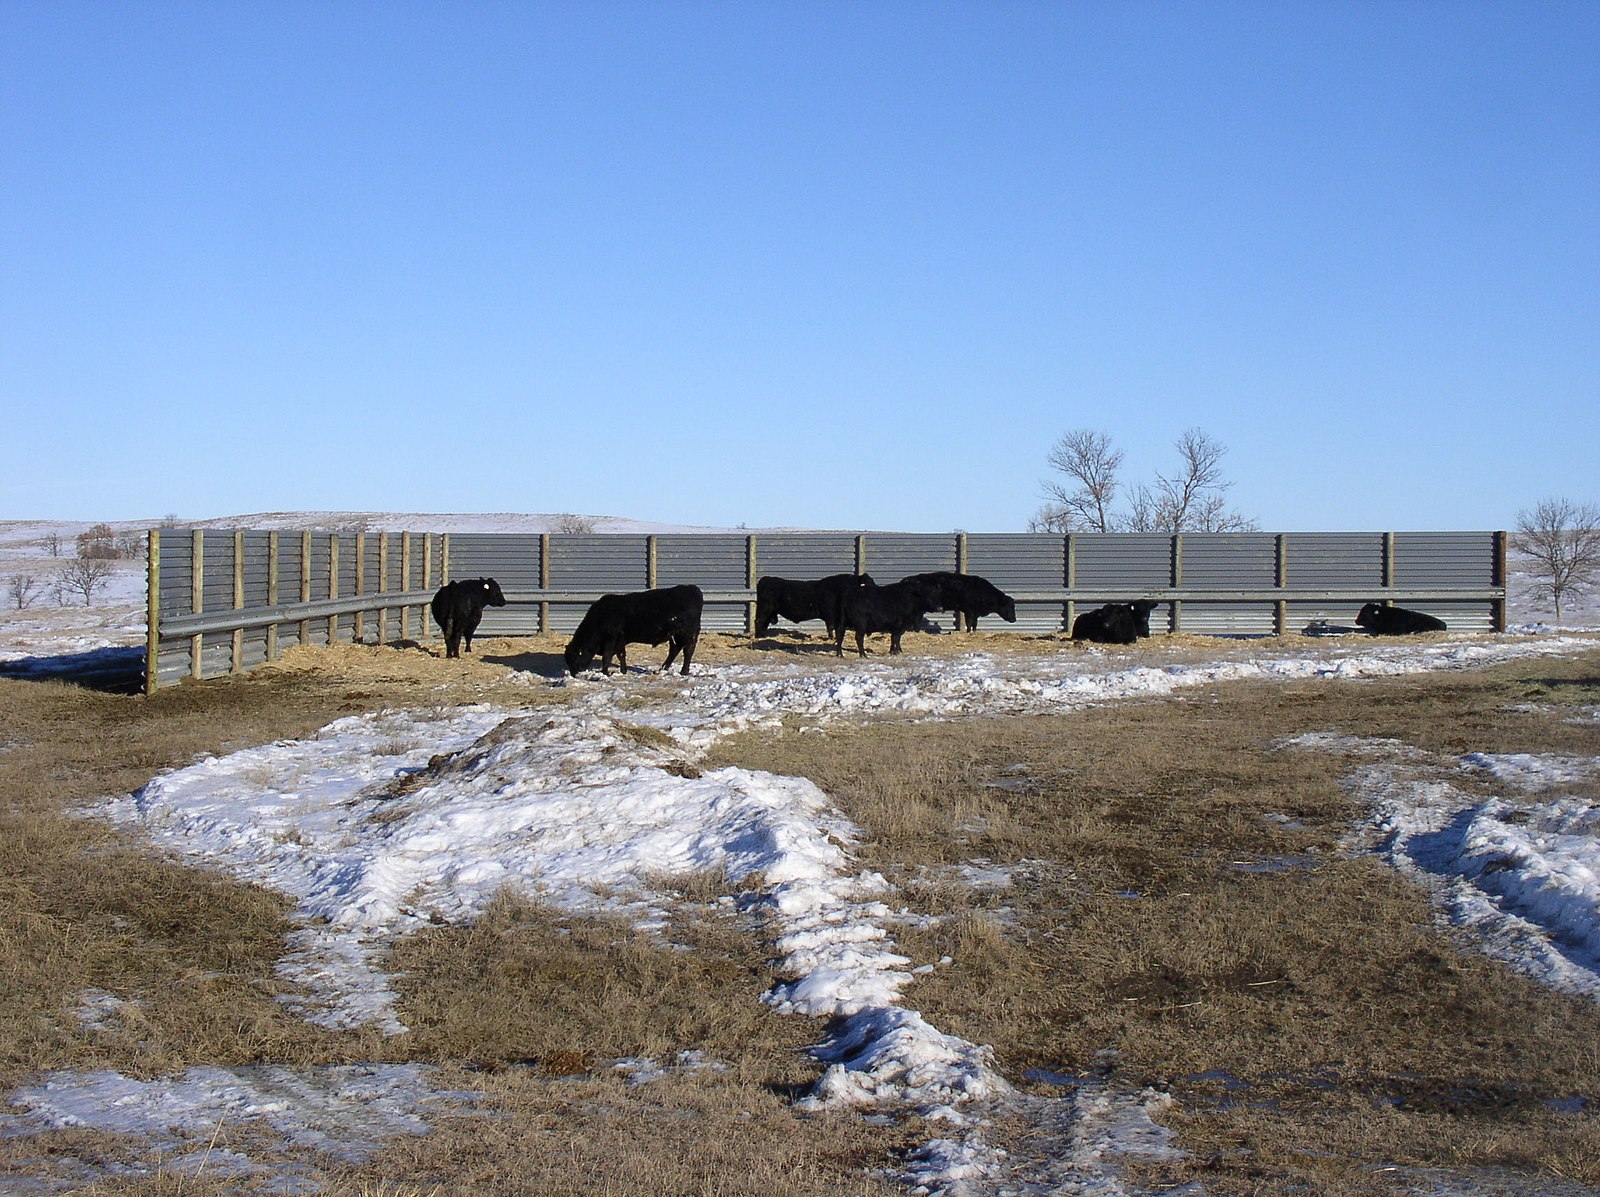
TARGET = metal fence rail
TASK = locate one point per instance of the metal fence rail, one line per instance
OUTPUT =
(227, 601)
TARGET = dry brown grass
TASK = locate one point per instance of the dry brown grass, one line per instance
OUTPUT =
(1353, 1032)
(1356, 1033)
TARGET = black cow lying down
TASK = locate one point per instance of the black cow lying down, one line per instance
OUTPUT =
(1396, 621)
(1115, 623)
(968, 596)
(614, 621)
(799, 601)
(896, 609)
(458, 607)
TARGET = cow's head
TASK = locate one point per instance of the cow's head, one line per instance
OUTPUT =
(1368, 615)
(491, 592)
(577, 659)
(1008, 608)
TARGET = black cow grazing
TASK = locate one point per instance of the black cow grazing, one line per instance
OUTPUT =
(896, 609)
(967, 596)
(1115, 623)
(458, 607)
(614, 621)
(1396, 621)
(799, 601)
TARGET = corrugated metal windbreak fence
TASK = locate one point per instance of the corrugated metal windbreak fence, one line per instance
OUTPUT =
(224, 601)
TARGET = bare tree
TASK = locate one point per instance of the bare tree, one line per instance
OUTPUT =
(52, 543)
(570, 523)
(1090, 464)
(22, 589)
(84, 576)
(1193, 499)
(1562, 540)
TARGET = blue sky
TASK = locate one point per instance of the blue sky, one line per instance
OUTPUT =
(830, 264)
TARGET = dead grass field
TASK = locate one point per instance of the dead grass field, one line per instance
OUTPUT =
(1312, 1021)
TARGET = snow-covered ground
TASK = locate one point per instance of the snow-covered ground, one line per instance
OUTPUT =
(584, 808)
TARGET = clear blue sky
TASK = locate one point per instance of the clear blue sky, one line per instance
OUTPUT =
(822, 264)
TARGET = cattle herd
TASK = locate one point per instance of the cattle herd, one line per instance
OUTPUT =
(843, 602)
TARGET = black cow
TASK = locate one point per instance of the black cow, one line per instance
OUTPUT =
(614, 621)
(458, 606)
(799, 601)
(1115, 623)
(1397, 621)
(967, 596)
(896, 609)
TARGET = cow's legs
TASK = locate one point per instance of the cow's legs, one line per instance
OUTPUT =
(861, 643)
(894, 643)
(672, 651)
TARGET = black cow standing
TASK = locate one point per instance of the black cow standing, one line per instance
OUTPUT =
(967, 597)
(458, 607)
(1115, 623)
(896, 609)
(614, 621)
(1397, 621)
(798, 601)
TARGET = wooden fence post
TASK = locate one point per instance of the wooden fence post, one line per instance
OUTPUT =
(197, 599)
(750, 569)
(383, 586)
(1280, 609)
(152, 634)
(272, 593)
(1388, 562)
(1072, 580)
(544, 581)
(649, 562)
(1177, 580)
(405, 584)
(961, 555)
(1497, 607)
(305, 583)
(861, 553)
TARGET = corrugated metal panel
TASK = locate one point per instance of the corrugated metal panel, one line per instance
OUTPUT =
(1038, 619)
(256, 574)
(1460, 617)
(288, 568)
(1229, 561)
(1129, 562)
(174, 663)
(1324, 560)
(255, 648)
(1019, 561)
(512, 620)
(805, 556)
(895, 555)
(1223, 619)
(709, 562)
(347, 563)
(586, 561)
(510, 559)
(1445, 559)
(177, 554)
(218, 571)
(724, 617)
(565, 617)
(216, 653)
